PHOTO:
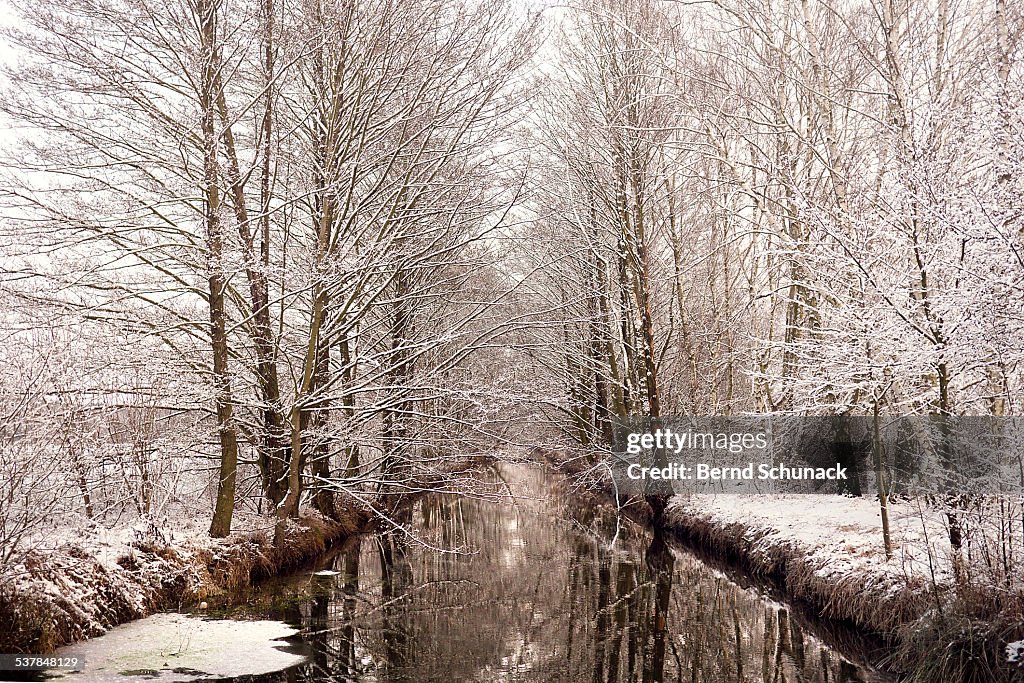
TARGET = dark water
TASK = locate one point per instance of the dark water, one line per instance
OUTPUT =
(541, 588)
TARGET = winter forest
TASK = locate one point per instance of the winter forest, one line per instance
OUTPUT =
(260, 257)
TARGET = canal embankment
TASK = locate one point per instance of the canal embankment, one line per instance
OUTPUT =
(944, 614)
(96, 578)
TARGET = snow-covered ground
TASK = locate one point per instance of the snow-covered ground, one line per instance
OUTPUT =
(828, 551)
(838, 534)
(108, 545)
(178, 648)
(77, 583)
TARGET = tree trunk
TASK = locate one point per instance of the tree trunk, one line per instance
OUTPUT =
(320, 446)
(221, 525)
(881, 482)
(348, 402)
(394, 434)
(289, 507)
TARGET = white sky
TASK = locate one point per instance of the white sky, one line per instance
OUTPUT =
(7, 55)
(6, 19)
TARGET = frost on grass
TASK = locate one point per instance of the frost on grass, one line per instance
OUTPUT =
(828, 550)
(75, 584)
(839, 534)
(179, 647)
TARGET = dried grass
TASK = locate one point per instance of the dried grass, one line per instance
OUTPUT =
(858, 599)
(964, 642)
(92, 597)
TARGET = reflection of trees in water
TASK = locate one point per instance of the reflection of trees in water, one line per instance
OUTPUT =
(396, 581)
(630, 602)
(540, 592)
(350, 588)
(660, 564)
(444, 615)
(685, 623)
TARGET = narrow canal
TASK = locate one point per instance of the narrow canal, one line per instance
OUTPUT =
(540, 587)
(533, 585)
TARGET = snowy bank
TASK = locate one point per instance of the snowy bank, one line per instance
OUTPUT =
(827, 552)
(81, 587)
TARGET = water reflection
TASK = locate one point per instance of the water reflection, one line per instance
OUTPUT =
(539, 588)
